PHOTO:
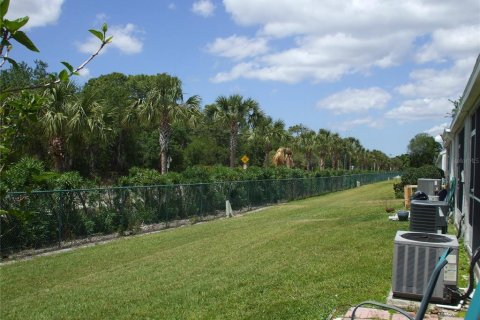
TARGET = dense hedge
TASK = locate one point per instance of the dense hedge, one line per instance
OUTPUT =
(43, 218)
(411, 176)
(29, 174)
(206, 174)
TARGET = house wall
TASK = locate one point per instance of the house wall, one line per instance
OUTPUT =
(463, 148)
(474, 176)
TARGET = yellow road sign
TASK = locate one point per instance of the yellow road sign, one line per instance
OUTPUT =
(245, 159)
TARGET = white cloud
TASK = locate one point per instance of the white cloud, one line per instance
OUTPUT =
(355, 100)
(282, 18)
(172, 6)
(40, 12)
(326, 58)
(125, 38)
(421, 109)
(447, 82)
(350, 124)
(84, 73)
(437, 130)
(90, 46)
(459, 43)
(100, 18)
(204, 8)
(241, 69)
(238, 48)
(336, 38)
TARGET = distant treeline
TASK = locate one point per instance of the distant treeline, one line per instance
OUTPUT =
(117, 122)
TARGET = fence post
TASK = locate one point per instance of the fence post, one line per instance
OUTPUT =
(122, 210)
(59, 220)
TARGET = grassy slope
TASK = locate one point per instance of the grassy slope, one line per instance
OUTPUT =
(298, 260)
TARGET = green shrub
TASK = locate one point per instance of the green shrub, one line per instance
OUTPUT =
(221, 173)
(23, 176)
(145, 177)
(411, 176)
(67, 181)
(197, 174)
(398, 189)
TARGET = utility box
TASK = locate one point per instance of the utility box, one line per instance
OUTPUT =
(429, 186)
(415, 256)
(428, 216)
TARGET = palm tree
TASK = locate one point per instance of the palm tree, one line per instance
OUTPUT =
(336, 149)
(268, 132)
(91, 123)
(380, 160)
(324, 146)
(55, 114)
(362, 158)
(307, 143)
(164, 105)
(235, 112)
(353, 148)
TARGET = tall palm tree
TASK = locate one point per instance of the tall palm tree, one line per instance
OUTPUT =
(307, 143)
(336, 150)
(324, 146)
(380, 160)
(164, 105)
(353, 148)
(54, 118)
(362, 158)
(235, 112)
(268, 133)
(91, 123)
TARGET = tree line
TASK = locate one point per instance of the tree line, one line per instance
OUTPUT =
(116, 122)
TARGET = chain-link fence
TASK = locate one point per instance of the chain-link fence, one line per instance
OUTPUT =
(61, 218)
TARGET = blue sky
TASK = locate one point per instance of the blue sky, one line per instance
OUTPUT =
(379, 70)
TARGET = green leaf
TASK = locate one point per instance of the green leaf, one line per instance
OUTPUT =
(4, 7)
(4, 42)
(11, 61)
(68, 66)
(4, 149)
(104, 28)
(14, 25)
(19, 214)
(22, 38)
(109, 39)
(63, 75)
(97, 34)
(45, 177)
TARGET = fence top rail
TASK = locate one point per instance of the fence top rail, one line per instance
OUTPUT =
(113, 188)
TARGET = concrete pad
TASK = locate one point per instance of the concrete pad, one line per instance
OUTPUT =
(398, 316)
(368, 313)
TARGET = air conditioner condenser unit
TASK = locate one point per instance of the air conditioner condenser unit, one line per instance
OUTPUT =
(414, 258)
(429, 186)
(428, 216)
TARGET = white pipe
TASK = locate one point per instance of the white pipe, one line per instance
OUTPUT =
(455, 308)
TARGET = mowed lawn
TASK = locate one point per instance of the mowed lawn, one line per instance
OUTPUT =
(299, 260)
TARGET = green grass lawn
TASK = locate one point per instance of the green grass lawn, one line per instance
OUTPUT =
(299, 260)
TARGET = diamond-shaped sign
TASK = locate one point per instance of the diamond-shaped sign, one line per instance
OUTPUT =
(245, 159)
